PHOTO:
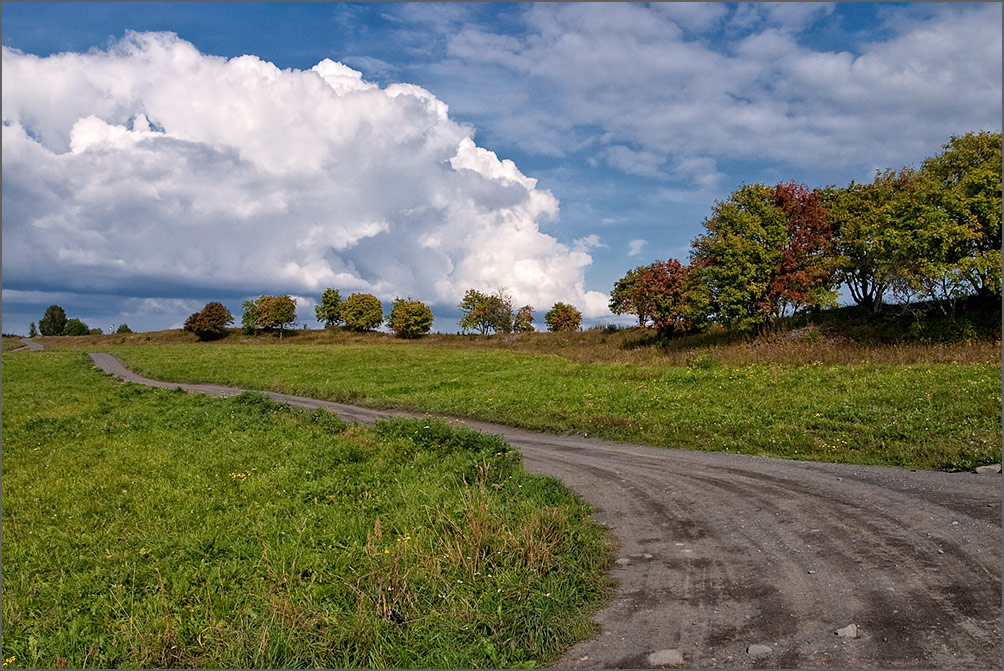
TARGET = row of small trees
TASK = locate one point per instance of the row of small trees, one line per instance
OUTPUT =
(359, 312)
(932, 234)
(55, 323)
(486, 313)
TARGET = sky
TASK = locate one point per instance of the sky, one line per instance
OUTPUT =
(158, 156)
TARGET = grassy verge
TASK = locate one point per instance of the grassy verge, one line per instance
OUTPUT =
(927, 415)
(152, 528)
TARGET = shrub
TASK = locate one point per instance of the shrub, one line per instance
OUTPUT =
(123, 328)
(563, 317)
(75, 327)
(409, 319)
(362, 312)
(211, 322)
(53, 321)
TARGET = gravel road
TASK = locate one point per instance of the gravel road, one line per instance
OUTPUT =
(745, 562)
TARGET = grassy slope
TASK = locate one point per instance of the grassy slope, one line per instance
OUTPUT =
(146, 527)
(920, 415)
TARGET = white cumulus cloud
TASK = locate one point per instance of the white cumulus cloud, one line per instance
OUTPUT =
(151, 168)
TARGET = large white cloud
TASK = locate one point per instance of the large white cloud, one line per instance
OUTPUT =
(151, 165)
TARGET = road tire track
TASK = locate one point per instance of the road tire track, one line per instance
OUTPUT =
(745, 562)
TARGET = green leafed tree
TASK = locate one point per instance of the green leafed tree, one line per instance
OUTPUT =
(486, 313)
(275, 312)
(563, 317)
(124, 328)
(209, 323)
(75, 327)
(32, 330)
(362, 312)
(329, 310)
(625, 299)
(740, 256)
(53, 321)
(409, 318)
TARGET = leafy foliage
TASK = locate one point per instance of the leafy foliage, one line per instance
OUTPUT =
(329, 310)
(124, 328)
(53, 321)
(32, 330)
(523, 321)
(75, 327)
(487, 312)
(563, 317)
(276, 312)
(409, 318)
(209, 323)
(362, 312)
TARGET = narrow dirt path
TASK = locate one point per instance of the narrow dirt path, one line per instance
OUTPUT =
(741, 562)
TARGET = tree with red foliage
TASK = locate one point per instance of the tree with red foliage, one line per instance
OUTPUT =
(805, 275)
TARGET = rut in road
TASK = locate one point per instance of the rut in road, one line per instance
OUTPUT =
(736, 561)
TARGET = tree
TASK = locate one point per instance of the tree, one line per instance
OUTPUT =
(806, 275)
(53, 321)
(275, 312)
(674, 295)
(563, 317)
(964, 182)
(328, 312)
(211, 322)
(249, 320)
(486, 312)
(740, 257)
(32, 330)
(409, 318)
(523, 321)
(124, 328)
(626, 299)
(362, 312)
(75, 327)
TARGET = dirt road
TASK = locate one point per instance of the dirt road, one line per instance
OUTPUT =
(736, 561)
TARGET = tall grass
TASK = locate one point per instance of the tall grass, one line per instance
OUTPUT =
(152, 528)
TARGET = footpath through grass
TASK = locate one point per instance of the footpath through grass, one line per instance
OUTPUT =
(153, 528)
(926, 415)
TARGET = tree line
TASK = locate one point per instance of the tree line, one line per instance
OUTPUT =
(914, 235)
(55, 323)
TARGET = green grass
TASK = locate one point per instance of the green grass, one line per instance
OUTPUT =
(153, 528)
(920, 415)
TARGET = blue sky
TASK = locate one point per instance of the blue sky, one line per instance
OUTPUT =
(547, 148)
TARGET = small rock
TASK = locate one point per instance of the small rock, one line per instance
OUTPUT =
(584, 658)
(812, 572)
(992, 469)
(641, 555)
(850, 631)
(758, 649)
(623, 561)
(669, 657)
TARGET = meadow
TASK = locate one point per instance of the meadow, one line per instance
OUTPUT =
(930, 408)
(154, 528)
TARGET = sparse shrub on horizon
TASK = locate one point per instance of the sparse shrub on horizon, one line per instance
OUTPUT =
(523, 321)
(123, 328)
(32, 331)
(209, 323)
(409, 318)
(362, 312)
(487, 312)
(563, 317)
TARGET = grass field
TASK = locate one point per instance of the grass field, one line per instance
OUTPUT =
(153, 528)
(943, 413)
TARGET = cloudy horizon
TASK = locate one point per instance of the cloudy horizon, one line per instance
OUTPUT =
(421, 150)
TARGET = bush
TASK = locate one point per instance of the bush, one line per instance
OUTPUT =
(53, 322)
(409, 319)
(75, 327)
(123, 328)
(329, 311)
(211, 322)
(362, 312)
(563, 317)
